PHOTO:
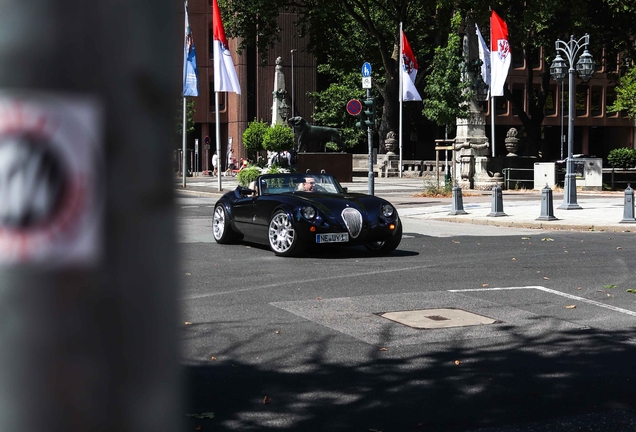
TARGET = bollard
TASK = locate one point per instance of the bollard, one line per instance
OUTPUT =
(497, 202)
(628, 210)
(547, 209)
(458, 205)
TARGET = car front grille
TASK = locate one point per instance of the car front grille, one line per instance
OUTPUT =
(353, 220)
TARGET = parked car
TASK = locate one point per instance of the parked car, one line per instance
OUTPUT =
(290, 212)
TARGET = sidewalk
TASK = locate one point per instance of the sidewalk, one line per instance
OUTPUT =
(601, 211)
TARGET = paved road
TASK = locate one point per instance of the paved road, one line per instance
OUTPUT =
(299, 345)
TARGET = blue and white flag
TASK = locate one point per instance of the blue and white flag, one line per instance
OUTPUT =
(190, 74)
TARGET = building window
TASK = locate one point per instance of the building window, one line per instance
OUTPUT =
(517, 56)
(596, 101)
(581, 100)
(535, 58)
(550, 101)
(610, 98)
(517, 97)
(501, 106)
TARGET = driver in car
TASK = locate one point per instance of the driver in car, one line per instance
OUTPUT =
(310, 184)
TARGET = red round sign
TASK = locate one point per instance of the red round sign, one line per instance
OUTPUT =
(354, 107)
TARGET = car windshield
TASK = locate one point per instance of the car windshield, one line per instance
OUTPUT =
(286, 183)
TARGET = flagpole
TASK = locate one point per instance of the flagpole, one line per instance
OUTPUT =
(401, 66)
(492, 124)
(183, 124)
(218, 135)
(183, 144)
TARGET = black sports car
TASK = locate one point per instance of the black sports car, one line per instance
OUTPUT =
(289, 212)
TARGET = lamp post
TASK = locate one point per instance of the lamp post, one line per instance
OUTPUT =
(585, 68)
(292, 81)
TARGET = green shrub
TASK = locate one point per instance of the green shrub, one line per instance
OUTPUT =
(432, 189)
(278, 138)
(253, 136)
(248, 175)
(622, 157)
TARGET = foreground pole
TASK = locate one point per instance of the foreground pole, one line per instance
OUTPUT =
(87, 255)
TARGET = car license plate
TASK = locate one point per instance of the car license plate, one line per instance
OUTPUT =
(332, 238)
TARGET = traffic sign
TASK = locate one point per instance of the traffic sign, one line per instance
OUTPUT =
(366, 82)
(354, 107)
(366, 69)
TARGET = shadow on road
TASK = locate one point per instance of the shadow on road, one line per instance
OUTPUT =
(532, 379)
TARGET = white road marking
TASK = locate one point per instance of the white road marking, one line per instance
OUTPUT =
(548, 290)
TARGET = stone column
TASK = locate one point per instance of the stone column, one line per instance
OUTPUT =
(280, 109)
(471, 142)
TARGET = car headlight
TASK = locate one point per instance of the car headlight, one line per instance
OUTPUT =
(387, 210)
(308, 212)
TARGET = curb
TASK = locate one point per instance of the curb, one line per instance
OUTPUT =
(536, 225)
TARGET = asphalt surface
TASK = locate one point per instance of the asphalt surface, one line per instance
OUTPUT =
(299, 344)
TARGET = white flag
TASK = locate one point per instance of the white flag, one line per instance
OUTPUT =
(225, 78)
(500, 54)
(408, 72)
(484, 56)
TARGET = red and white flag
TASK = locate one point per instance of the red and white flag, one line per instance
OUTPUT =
(500, 54)
(225, 79)
(408, 72)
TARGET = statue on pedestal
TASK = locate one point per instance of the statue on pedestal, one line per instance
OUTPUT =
(471, 143)
(280, 109)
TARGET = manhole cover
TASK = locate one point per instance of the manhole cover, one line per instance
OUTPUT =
(437, 318)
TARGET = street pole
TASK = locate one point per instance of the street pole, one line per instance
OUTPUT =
(370, 140)
(292, 80)
(88, 294)
(569, 190)
(562, 137)
(585, 67)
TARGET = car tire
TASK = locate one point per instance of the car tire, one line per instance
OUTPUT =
(221, 228)
(385, 247)
(283, 238)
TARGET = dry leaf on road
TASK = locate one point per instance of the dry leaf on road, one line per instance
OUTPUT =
(266, 400)
(571, 307)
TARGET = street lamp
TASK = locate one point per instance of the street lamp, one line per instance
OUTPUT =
(585, 68)
(292, 82)
(557, 70)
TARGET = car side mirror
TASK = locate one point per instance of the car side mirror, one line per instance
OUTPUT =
(345, 190)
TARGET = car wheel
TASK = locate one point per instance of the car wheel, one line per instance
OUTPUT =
(221, 229)
(283, 238)
(386, 246)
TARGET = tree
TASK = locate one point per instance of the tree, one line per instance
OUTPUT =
(362, 30)
(445, 94)
(369, 30)
(189, 119)
(254, 135)
(533, 25)
(626, 94)
(278, 138)
(330, 105)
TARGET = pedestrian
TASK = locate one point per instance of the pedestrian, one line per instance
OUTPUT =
(288, 156)
(215, 164)
(230, 160)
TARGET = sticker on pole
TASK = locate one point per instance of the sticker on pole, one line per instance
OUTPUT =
(51, 173)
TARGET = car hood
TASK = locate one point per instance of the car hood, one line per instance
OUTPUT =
(334, 203)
